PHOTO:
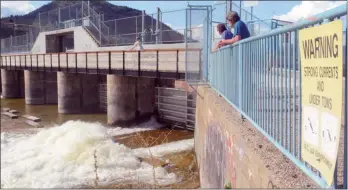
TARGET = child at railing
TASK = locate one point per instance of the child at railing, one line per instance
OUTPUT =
(138, 44)
(225, 34)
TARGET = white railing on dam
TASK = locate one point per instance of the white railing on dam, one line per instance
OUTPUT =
(150, 63)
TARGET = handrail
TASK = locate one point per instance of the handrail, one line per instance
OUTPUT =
(98, 17)
(330, 14)
(90, 33)
(281, 20)
(107, 51)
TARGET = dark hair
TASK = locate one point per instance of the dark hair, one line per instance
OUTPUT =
(221, 27)
(232, 16)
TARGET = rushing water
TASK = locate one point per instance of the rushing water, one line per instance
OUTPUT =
(77, 150)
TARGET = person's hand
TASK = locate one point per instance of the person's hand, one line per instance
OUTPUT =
(222, 43)
(219, 45)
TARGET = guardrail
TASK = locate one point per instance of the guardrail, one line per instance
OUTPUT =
(176, 106)
(157, 63)
(259, 77)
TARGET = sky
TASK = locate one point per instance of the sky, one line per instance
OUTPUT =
(284, 10)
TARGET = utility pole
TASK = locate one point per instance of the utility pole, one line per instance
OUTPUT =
(251, 12)
(14, 27)
(240, 9)
(40, 21)
(89, 14)
(100, 34)
(143, 27)
(157, 25)
(58, 17)
(81, 9)
(229, 5)
(161, 26)
(251, 19)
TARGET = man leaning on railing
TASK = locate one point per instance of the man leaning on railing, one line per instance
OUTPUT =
(240, 29)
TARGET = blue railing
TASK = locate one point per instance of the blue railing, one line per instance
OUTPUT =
(260, 77)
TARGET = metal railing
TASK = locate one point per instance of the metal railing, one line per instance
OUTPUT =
(260, 77)
(157, 63)
(102, 29)
(176, 106)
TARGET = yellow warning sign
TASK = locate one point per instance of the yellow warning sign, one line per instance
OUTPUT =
(322, 86)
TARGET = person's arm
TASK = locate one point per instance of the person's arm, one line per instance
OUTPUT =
(231, 41)
(236, 38)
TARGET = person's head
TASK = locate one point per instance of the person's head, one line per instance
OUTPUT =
(232, 17)
(138, 38)
(221, 28)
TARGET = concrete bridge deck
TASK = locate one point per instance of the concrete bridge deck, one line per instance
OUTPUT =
(154, 63)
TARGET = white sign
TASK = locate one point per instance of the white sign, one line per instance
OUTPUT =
(250, 3)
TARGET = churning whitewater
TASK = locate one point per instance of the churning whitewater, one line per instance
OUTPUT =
(64, 157)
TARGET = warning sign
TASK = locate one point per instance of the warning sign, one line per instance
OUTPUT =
(321, 71)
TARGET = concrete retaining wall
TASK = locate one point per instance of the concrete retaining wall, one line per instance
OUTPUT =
(232, 153)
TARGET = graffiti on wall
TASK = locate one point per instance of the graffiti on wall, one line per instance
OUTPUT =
(214, 159)
(230, 162)
(220, 156)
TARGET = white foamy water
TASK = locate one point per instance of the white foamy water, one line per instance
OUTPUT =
(63, 157)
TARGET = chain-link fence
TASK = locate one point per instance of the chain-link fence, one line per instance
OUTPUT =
(63, 17)
(154, 28)
(198, 31)
(19, 44)
(120, 35)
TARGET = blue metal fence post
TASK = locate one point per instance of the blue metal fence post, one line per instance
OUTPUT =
(185, 34)
(240, 64)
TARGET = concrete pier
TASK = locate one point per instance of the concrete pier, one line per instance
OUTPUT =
(77, 93)
(121, 100)
(34, 87)
(12, 83)
(40, 88)
(145, 97)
